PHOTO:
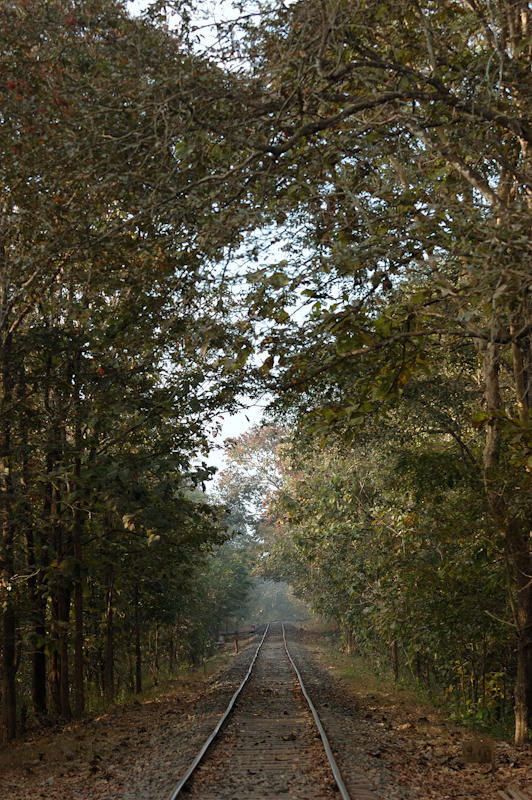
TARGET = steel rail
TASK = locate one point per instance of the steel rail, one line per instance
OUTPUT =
(184, 778)
(325, 741)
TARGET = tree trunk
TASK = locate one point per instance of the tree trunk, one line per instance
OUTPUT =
(79, 688)
(156, 654)
(39, 668)
(171, 652)
(138, 654)
(53, 526)
(79, 685)
(515, 531)
(394, 657)
(9, 695)
(62, 611)
(108, 671)
(7, 560)
(54, 667)
(35, 561)
(521, 561)
(77, 524)
(54, 671)
(521, 704)
(38, 619)
(350, 641)
(64, 624)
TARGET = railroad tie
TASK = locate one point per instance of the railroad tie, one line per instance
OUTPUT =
(270, 741)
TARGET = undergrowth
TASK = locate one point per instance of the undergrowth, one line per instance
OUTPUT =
(372, 678)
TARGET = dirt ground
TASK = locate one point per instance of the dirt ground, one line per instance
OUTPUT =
(87, 757)
(94, 758)
(419, 742)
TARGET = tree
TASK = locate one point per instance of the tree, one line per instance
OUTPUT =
(388, 147)
(393, 147)
(390, 538)
(254, 472)
(111, 330)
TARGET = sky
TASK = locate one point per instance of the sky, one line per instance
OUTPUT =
(217, 10)
(233, 426)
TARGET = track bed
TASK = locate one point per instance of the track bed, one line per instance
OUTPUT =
(270, 747)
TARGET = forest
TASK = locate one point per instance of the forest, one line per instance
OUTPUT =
(324, 206)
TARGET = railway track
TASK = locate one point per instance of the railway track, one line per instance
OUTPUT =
(270, 742)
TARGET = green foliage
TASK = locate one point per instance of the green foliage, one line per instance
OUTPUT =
(396, 167)
(388, 149)
(111, 332)
(392, 539)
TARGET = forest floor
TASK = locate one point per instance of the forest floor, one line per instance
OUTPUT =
(104, 755)
(415, 741)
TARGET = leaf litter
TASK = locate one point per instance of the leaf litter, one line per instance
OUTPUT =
(405, 749)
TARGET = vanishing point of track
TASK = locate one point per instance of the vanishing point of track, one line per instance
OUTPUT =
(270, 741)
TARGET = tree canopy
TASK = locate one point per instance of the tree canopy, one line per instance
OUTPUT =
(329, 202)
(109, 381)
